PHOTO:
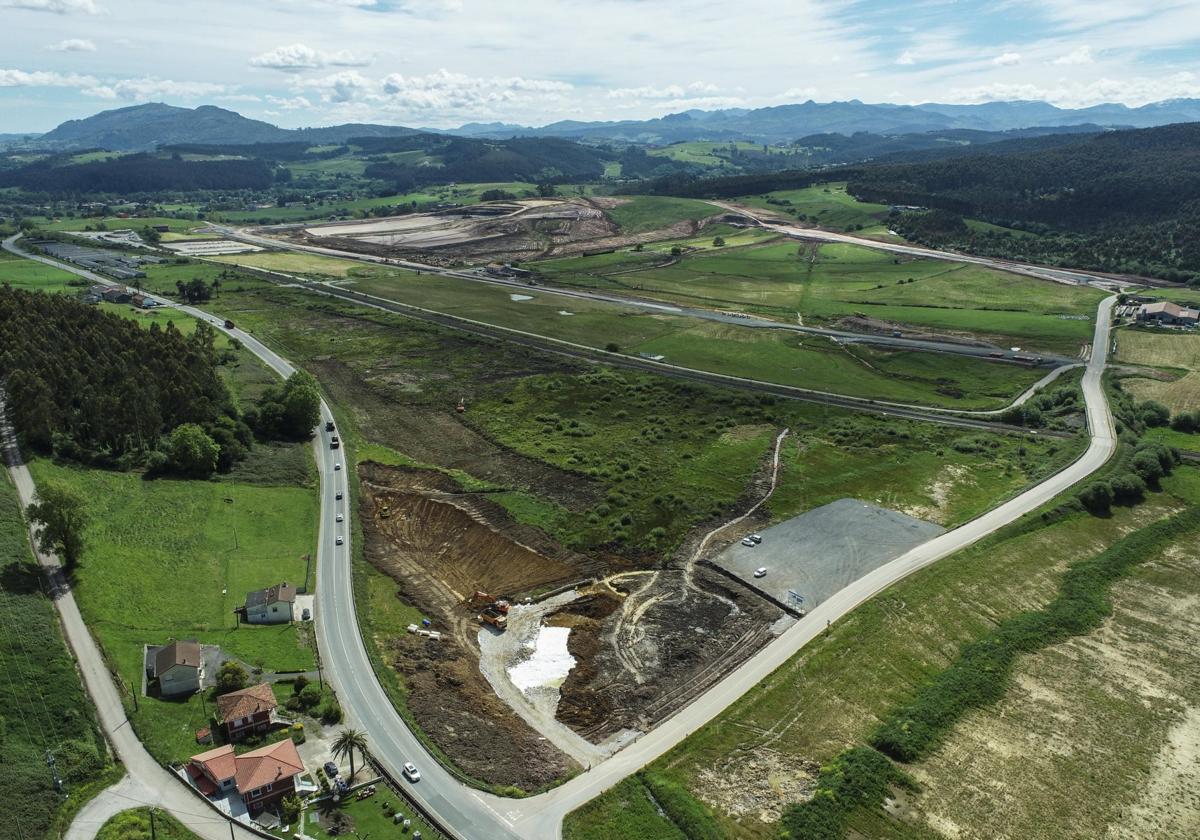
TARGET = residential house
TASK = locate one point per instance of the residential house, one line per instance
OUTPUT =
(246, 711)
(143, 301)
(273, 605)
(117, 294)
(178, 668)
(262, 777)
(1165, 312)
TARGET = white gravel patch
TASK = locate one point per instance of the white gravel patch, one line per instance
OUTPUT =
(521, 297)
(549, 663)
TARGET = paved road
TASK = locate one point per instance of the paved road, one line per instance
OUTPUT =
(474, 814)
(977, 349)
(147, 782)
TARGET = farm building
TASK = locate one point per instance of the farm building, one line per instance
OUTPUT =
(178, 668)
(1165, 312)
(247, 711)
(273, 605)
(117, 294)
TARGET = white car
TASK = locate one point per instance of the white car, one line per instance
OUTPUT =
(761, 571)
(749, 543)
(339, 540)
(338, 518)
(337, 465)
(411, 772)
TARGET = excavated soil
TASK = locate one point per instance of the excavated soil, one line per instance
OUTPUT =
(687, 643)
(457, 708)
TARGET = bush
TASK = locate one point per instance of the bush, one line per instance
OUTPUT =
(231, 677)
(1154, 413)
(190, 451)
(299, 684)
(689, 814)
(331, 713)
(1128, 488)
(1097, 497)
(310, 695)
(858, 777)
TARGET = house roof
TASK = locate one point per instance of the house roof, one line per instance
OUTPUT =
(246, 702)
(269, 764)
(272, 594)
(221, 763)
(177, 653)
(1168, 308)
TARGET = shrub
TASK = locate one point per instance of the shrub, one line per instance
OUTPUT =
(299, 683)
(231, 677)
(689, 814)
(1097, 497)
(1154, 413)
(1128, 488)
(310, 695)
(858, 777)
(331, 713)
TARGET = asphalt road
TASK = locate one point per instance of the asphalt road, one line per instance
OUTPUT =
(473, 814)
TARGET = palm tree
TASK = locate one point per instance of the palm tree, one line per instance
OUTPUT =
(349, 741)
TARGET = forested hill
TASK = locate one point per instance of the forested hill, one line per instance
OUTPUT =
(1137, 177)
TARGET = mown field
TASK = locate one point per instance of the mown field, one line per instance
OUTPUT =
(26, 274)
(784, 357)
(43, 703)
(1176, 355)
(823, 284)
(766, 750)
(828, 206)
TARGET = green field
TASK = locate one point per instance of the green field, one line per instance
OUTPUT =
(710, 152)
(641, 214)
(118, 223)
(826, 205)
(823, 284)
(44, 705)
(134, 824)
(21, 273)
(784, 357)
(757, 755)
(363, 818)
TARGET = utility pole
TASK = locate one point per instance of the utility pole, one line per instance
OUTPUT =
(320, 678)
(153, 836)
(58, 785)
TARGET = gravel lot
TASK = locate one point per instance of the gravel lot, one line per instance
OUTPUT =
(823, 550)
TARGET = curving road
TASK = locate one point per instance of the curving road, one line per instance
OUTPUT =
(473, 814)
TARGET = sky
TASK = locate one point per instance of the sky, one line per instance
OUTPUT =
(441, 63)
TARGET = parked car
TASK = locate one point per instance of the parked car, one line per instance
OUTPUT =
(411, 772)
(342, 785)
(338, 518)
(761, 571)
(339, 540)
(755, 538)
(331, 769)
(306, 614)
(749, 543)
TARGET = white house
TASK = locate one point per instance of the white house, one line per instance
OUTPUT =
(178, 668)
(273, 605)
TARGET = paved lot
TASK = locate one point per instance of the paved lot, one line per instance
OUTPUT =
(825, 549)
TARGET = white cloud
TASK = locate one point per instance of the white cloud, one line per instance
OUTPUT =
(1132, 91)
(667, 92)
(58, 7)
(907, 57)
(290, 104)
(42, 78)
(145, 89)
(1079, 55)
(296, 57)
(444, 90)
(340, 87)
(73, 45)
(1007, 59)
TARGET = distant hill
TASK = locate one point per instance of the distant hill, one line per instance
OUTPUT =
(146, 127)
(785, 123)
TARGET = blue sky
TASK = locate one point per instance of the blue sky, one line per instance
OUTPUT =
(445, 62)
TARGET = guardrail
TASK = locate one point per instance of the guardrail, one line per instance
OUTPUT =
(439, 828)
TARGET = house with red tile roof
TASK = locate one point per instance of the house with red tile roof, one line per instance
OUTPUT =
(261, 777)
(246, 711)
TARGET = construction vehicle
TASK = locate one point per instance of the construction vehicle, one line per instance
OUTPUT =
(494, 617)
(479, 599)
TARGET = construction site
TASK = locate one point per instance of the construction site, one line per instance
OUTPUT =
(526, 229)
(542, 654)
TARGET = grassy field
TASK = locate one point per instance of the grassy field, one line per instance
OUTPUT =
(33, 276)
(134, 824)
(294, 262)
(43, 702)
(171, 559)
(1176, 354)
(825, 283)
(118, 223)
(648, 212)
(458, 194)
(362, 818)
(827, 206)
(765, 750)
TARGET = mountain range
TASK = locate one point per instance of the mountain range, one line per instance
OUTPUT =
(149, 126)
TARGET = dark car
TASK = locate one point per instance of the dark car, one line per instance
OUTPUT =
(329, 425)
(331, 769)
(338, 495)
